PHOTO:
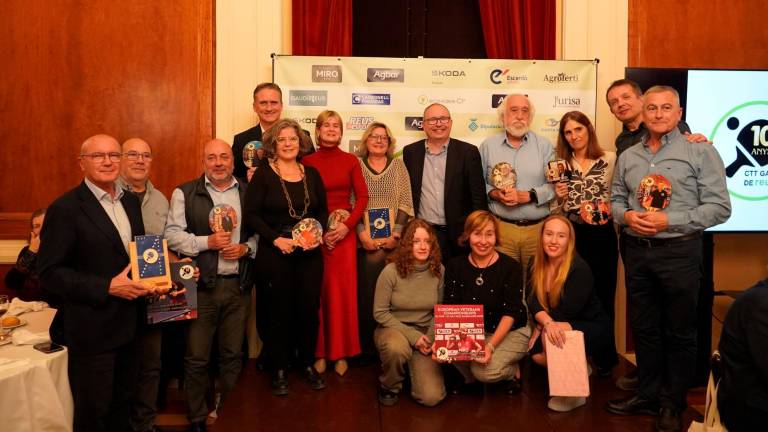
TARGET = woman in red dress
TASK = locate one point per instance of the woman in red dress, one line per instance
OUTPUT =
(342, 176)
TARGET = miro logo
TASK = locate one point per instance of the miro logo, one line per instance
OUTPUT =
(326, 73)
(386, 75)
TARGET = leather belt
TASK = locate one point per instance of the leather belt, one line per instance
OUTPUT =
(647, 242)
(521, 222)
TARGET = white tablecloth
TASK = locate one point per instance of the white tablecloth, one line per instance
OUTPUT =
(34, 387)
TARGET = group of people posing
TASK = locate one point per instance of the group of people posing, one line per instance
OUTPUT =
(539, 254)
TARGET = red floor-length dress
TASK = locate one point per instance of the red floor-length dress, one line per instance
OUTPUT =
(338, 333)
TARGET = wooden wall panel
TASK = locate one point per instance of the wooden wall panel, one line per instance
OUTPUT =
(716, 34)
(127, 68)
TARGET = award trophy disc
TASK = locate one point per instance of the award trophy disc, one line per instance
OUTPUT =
(558, 171)
(222, 217)
(149, 261)
(379, 222)
(308, 233)
(654, 192)
(336, 217)
(595, 212)
(252, 154)
(180, 303)
(503, 176)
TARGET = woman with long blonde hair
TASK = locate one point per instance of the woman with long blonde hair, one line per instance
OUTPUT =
(563, 298)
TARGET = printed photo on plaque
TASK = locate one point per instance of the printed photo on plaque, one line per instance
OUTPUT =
(180, 303)
(308, 233)
(459, 332)
(558, 170)
(595, 212)
(222, 217)
(654, 192)
(253, 152)
(378, 222)
(336, 217)
(502, 176)
(149, 260)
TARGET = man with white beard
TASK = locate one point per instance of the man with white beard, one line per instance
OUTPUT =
(520, 208)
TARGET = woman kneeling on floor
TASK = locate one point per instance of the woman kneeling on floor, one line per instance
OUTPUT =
(494, 280)
(406, 293)
(564, 299)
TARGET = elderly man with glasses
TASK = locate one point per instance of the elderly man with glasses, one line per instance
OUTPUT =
(446, 179)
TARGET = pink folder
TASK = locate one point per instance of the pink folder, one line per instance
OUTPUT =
(567, 366)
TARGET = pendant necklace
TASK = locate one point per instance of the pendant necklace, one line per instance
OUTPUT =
(479, 281)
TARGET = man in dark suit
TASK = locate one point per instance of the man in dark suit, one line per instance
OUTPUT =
(268, 106)
(446, 179)
(84, 263)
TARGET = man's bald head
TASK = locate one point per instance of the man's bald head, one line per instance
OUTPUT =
(136, 163)
(218, 162)
(100, 160)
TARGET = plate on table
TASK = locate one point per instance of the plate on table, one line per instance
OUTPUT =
(22, 322)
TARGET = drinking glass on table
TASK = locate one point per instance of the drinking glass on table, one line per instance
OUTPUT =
(3, 304)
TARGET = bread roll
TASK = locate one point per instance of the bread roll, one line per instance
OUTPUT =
(11, 321)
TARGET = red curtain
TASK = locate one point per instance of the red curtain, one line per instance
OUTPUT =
(322, 27)
(519, 29)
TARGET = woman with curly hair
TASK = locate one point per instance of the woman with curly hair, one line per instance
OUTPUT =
(406, 293)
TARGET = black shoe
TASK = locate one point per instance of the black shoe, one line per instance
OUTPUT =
(668, 421)
(314, 379)
(279, 383)
(387, 397)
(629, 382)
(197, 426)
(632, 405)
(605, 372)
(514, 386)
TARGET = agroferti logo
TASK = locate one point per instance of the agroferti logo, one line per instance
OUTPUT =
(386, 75)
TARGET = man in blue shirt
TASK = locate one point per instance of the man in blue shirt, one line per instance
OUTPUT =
(522, 208)
(663, 253)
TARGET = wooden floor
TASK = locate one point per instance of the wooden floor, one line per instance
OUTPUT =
(349, 403)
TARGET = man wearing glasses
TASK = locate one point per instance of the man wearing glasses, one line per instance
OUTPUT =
(520, 208)
(84, 262)
(134, 178)
(446, 179)
(663, 252)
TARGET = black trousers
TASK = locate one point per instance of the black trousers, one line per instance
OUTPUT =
(148, 357)
(290, 296)
(598, 246)
(663, 285)
(101, 388)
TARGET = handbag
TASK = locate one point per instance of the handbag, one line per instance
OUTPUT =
(711, 414)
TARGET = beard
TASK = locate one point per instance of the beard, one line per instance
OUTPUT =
(516, 132)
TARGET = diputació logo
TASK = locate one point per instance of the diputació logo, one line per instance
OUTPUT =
(308, 97)
(386, 75)
(741, 138)
(326, 73)
(414, 123)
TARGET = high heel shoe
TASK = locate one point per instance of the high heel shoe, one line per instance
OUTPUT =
(320, 365)
(341, 367)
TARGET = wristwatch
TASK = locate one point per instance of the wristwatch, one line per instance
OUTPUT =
(534, 197)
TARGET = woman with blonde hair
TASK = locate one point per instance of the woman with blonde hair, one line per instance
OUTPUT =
(563, 298)
(406, 293)
(389, 187)
(338, 339)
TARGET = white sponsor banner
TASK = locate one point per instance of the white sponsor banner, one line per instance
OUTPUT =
(395, 91)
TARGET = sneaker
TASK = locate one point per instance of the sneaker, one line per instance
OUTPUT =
(387, 397)
(565, 404)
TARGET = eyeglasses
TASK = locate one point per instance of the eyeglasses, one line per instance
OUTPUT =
(666, 108)
(293, 139)
(134, 156)
(381, 138)
(436, 120)
(101, 157)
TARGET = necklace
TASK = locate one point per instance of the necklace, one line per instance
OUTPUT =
(291, 210)
(479, 281)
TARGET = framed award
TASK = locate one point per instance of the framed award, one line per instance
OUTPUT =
(379, 222)
(149, 261)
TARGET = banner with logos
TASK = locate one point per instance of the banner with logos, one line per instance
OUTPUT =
(395, 91)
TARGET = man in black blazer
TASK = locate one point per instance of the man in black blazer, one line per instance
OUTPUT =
(84, 263)
(446, 179)
(268, 106)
